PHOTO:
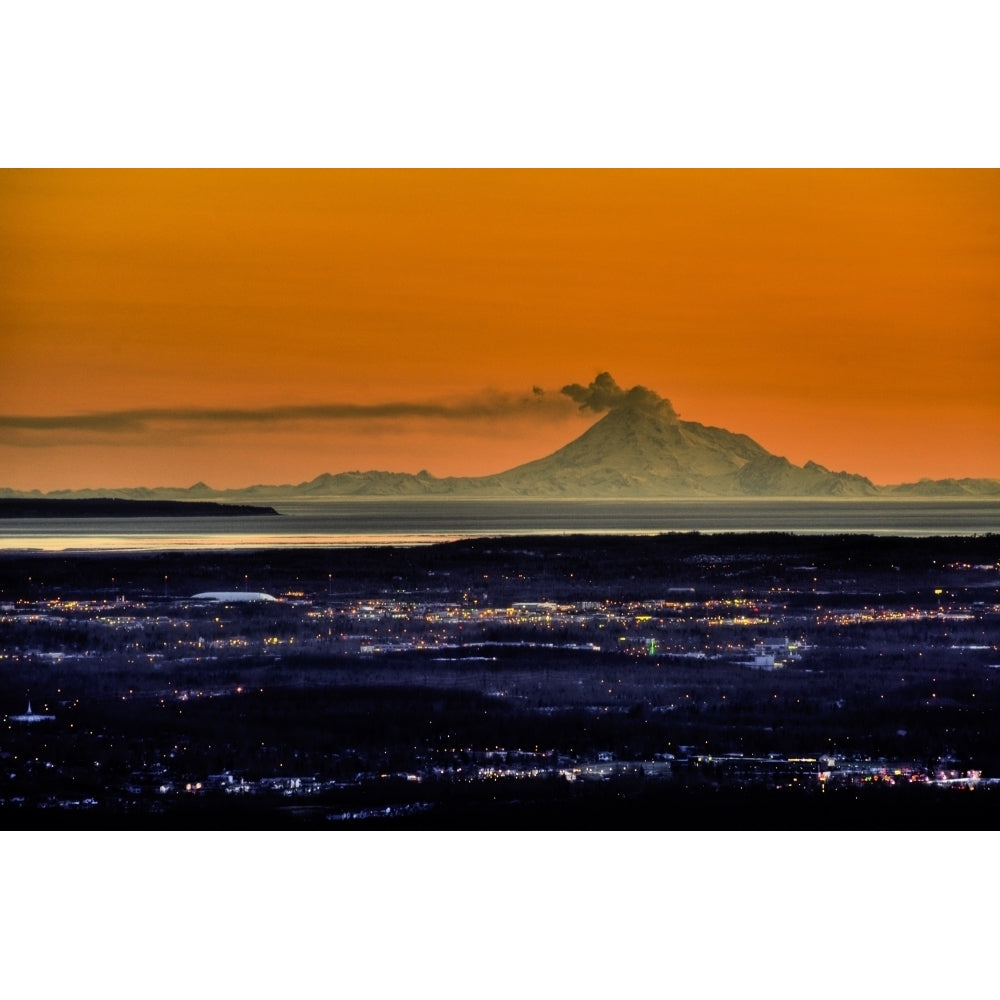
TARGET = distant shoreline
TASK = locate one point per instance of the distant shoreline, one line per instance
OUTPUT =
(115, 507)
(352, 523)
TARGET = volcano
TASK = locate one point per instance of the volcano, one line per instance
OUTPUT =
(641, 448)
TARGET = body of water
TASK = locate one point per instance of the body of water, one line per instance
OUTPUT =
(424, 521)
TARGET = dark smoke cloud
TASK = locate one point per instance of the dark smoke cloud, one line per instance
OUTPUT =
(604, 393)
(125, 425)
(486, 406)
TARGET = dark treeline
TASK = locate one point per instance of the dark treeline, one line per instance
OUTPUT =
(552, 804)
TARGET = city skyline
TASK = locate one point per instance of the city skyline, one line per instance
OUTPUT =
(167, 326)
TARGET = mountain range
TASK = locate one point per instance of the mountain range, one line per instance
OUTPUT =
(640, 448)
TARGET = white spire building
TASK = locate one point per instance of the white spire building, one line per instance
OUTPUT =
(30, 716)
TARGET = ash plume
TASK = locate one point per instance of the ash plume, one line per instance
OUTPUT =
(40, 430)
(88, 428)
(604, 393)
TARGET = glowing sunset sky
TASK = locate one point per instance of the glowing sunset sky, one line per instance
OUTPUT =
(163, 327)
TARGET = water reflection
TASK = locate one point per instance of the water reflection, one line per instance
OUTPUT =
(422, 522)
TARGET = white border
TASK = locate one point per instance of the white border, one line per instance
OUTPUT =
(540, 83)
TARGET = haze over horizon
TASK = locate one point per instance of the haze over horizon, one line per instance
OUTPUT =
(240, 327)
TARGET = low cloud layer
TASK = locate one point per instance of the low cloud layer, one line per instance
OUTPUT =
(604, 393)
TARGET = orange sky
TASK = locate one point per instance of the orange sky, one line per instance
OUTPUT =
(849, 317)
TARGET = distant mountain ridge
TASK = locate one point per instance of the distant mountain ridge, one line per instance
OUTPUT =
(947, 488)
(640, 448)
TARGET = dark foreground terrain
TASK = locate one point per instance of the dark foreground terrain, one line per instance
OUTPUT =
(675, 682)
